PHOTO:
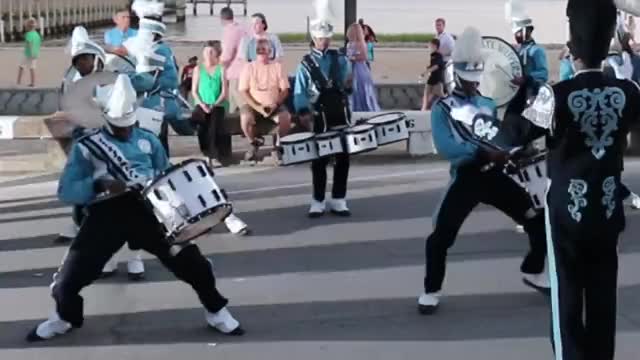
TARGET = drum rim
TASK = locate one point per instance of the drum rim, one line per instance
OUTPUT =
(172, 169)
(283, 140)
(352, 130)
(403, 116)
(123, 58)
(327, 134)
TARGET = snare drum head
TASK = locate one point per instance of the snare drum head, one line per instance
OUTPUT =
(297, 137)
(502, 64)
(386, 118)
(360, 128)
(328, 134)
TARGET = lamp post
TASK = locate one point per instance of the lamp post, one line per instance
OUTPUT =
(350, 15)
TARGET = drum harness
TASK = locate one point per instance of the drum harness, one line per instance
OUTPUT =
(330, 93)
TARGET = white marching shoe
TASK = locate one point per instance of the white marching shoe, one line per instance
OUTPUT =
(539, 282)
(135, 268)
(428, 303)
(49, 329)
(224, 322)
(236, 225)
(339, 207)
(633, 201)
(317, 208)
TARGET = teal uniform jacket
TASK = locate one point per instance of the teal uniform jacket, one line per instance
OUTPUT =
(98, 154)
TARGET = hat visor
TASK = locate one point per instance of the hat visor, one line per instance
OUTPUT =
(472, 76)
(123, 121)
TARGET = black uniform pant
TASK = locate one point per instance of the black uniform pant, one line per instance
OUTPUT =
(107, 227)
(209, 126)
(468, 188)
(584, 275)
(340, 176)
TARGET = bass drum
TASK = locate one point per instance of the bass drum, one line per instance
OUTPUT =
(502, 64)
(119, 64)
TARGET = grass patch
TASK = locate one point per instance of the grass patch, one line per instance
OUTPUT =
(408, 37)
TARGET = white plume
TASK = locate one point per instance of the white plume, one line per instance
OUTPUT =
(148, 8)
(515, 9)
(323, 10)
(468, 47)
(629, 6)
(122, 98)
(78, 35)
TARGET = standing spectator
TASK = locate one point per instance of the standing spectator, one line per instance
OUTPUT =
(364, 96)
(367, 30)
(232, 35)
(265, 88)
(566, 64)
(115, 37)
(186, 78)
(435, 84)
(32, 42)
(209, 90)
(370, 39)
(249, 43)
(446, 40)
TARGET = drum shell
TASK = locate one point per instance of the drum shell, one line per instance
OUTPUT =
(531, 174)
(391, 131)
(187, 201)
(360, 139)
(330, 143)
(297, 151)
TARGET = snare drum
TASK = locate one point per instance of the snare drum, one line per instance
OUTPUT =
(298, 148)
(360, 138)
(531, 174)
(187, 201)
(390, 127)
(329, 143)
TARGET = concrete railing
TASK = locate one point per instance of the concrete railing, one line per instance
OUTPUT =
(54, 17)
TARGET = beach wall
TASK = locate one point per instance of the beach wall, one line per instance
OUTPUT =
(55, 17)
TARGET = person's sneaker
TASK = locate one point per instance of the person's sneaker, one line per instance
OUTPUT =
(539, 282)
(110, 268)
(236, 225)
(224, 322)
(135, 268)
(339, 207)
(633, 201)
(428, 303)
(49, 329)
(316, 209)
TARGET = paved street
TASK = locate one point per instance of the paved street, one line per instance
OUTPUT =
(330, 288)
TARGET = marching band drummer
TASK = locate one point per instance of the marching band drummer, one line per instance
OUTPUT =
(112, 160)
(167, 79)
(593, 113)
(86, 58)
(320, 92)
(471, 182)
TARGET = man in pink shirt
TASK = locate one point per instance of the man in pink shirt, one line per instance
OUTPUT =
(264, 87)
(232, 35)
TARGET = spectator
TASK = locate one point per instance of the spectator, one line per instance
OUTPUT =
(187, 75)
(115, 37)
(364, 96)
(232, 35)
(370, 39)
(265, 88)
(435, 84)
(447, 42)
(248, 45)
(368, 30)
(209, 90)
(32, 42)
(566, 64)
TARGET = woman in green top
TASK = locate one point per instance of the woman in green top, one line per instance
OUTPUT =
(32, 42)
(209, 90)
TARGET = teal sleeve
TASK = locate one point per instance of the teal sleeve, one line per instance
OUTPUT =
(76, 183)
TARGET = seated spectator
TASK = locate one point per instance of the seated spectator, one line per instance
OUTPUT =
(187, 76)
(209, 90)
(115, 37)
(248, 45)
(265, 88)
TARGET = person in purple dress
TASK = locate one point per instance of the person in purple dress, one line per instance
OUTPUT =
(364, 96)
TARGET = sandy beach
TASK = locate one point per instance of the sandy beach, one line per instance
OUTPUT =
(391, 65)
